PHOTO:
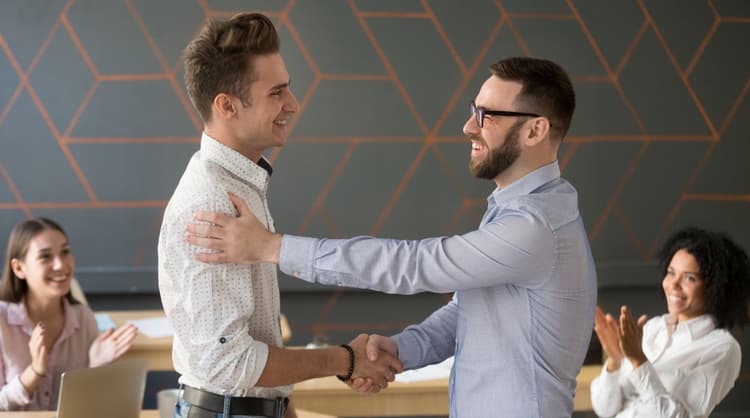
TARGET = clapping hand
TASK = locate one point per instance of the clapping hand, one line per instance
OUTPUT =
(38, 351)
(111, 344)
(608, 331)
(376, 363)
(631, 337)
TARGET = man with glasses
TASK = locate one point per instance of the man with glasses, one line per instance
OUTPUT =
(521, 318)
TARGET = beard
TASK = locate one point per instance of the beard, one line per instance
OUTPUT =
(499, 159)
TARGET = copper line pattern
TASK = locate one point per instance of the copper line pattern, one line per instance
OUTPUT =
(599, 224)
(607, 68)
(231, 13)
(677, 68)
(455, 219)
(88, 205)
(164, 65)
(203, 4)
(410, 104)
(21, 204)
(631, 48)
(630, 232)
(568, 155)
(79, 45)
(151, 233)
(328, 307)
(395, 15)
(616, 194)
(678, 204)
(467, 77)
(303, 48)
(716, 197)
(733, 110)
(288, 9)
(702, 47)
(19, 88)
(389, 68)
(79, 111)
(541, 16)
(43, 111)
(356, 77)
(326, 216)
(129, 140)
(729, 19)
(323, 195)
(133, 77)
(519, 39)
(448, 170)
(357, 139)
(400, 189)
(444, 37)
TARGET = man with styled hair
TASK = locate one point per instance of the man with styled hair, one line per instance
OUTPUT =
(227, 338)
(522, 315)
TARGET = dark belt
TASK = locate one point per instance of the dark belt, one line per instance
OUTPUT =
(273, 408)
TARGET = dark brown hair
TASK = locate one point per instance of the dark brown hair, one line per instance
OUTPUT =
(12, 288)
(220, 58)
(725, 269)
(547, 89)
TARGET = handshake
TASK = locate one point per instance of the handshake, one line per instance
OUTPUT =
(375, 363)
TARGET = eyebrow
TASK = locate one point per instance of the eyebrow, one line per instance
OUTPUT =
(281, 85)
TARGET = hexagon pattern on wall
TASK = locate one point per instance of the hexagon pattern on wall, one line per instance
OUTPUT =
(94, 116)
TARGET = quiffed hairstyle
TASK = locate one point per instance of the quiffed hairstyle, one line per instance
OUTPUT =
(546, 91)
(725, 268)
(220, 58)
(12, 288)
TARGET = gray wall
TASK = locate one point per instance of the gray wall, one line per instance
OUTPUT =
(95, 129)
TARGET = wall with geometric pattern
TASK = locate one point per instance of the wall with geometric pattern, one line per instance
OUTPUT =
(96, 128)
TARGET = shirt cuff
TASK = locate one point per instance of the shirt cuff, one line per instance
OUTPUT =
(296, 256)
(610, 378)
(642, 379)
(16, 393)
(408, 350)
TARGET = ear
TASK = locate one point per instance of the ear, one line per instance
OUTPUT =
(223, 106)
(17, 267)
(538, 131)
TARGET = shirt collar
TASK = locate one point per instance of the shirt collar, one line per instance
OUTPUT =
(691, 329)
(19, 316)
(255, 173)
(528, 183)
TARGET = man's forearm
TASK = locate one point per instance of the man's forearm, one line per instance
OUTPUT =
(288, 366)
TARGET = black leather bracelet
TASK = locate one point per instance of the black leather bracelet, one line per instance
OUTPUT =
(351, 364)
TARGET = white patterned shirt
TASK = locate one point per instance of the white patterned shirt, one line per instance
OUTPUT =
(224, 315)
(688, 372)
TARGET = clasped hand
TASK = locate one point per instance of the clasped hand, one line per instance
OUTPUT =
(621, 338)
(376, 363)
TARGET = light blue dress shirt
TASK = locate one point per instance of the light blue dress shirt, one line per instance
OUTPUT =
(522, 315)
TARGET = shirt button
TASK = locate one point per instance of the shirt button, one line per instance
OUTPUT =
(222, 340)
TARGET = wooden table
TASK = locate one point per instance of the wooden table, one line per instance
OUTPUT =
(144, 414)
(158, 351)
(329, 395)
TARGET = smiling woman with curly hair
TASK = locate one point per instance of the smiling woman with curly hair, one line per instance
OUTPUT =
(682, 363)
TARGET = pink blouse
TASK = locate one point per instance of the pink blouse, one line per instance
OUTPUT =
(71, 351)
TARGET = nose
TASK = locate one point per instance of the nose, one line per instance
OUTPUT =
(57, 263)
(471, 127)
(292, 106)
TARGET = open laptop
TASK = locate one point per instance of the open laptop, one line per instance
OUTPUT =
(113, 391)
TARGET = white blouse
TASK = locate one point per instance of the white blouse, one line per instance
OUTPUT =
(691, 368)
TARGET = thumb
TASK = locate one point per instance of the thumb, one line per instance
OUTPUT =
(642, 320)
(239, 204)
(372, 348)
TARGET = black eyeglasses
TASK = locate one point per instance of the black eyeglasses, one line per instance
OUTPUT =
(479, 112)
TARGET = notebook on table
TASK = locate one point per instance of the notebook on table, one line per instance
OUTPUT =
(113, 391)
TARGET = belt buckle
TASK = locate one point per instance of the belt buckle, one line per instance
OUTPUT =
(279, 406)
